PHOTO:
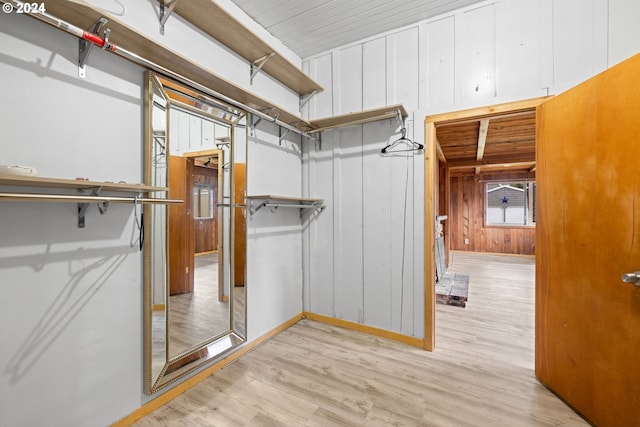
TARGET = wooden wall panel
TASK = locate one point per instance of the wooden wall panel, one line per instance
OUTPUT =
(467, 231)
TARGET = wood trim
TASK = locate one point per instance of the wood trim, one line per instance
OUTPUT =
(447, 211)
(430, 192)
(488, 111)
(282, 198)
(454, 251)
(73, 184)
(416, 342)
(203, 153)
(440, 152)
(524, 162)
(189, 383)
(366, 116)
(482, 138)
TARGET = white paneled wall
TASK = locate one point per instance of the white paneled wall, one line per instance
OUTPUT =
(496, 52)
(71, 315)
(191, 133)
(365, 262)
(440, 71)
(475, 54)
(274, 242)
(365, 251)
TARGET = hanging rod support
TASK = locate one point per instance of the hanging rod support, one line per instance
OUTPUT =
(273, 119)
(257, 65)
(306, 98)
(255, 123)
(85, 47)
(282, 135)
(82, 206)
(166, 9)
(400, 118)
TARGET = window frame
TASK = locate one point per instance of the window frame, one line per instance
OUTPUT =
(530, 205)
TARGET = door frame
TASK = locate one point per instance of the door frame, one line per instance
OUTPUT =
(218, 154)
(433, 156)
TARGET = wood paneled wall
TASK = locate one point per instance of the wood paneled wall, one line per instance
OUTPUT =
(466, 218)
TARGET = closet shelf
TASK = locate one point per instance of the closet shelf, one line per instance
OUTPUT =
(83, 200)
(261, 201)
(84, 15)
(74, 184)
(212, 19)
(382, 113)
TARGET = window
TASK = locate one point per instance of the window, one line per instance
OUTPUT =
(510, 203)
(202, 201)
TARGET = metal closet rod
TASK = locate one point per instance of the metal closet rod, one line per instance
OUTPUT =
(105, 44)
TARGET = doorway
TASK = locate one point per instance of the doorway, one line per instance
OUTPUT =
(195, 243)
(469, 148)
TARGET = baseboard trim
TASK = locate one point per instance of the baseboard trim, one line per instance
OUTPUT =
(176, 391)
(416, 342)
(494, 253)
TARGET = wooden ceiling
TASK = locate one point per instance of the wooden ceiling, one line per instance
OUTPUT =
(489, 142)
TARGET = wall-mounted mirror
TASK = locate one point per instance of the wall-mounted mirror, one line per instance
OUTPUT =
(194, 252)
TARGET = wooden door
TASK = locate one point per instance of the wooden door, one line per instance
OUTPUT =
(180, 226)
(239, 224)
(206, 228)
(588, 236)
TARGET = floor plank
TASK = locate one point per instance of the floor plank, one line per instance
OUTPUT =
(314, 374)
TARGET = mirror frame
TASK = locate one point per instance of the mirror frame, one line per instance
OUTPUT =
(216, 347)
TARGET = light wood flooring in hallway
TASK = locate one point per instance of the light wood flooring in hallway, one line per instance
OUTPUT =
(313, 374)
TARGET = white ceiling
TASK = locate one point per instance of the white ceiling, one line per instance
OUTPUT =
(309, 27)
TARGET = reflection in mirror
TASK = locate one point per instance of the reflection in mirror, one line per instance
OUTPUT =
(195, 251)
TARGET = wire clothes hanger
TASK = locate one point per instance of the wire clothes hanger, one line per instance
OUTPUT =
(404, 142)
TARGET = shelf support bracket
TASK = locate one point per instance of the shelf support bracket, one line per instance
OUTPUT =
(85, 47)
(253, 209)
(282, 135)
(400, 118)
(304, 99)
(166, 9)
(257, 65)
(277, 115)
(253, 124)
(82, 207)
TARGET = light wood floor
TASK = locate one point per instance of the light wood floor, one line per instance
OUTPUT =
(198, 316)
(314, 374)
